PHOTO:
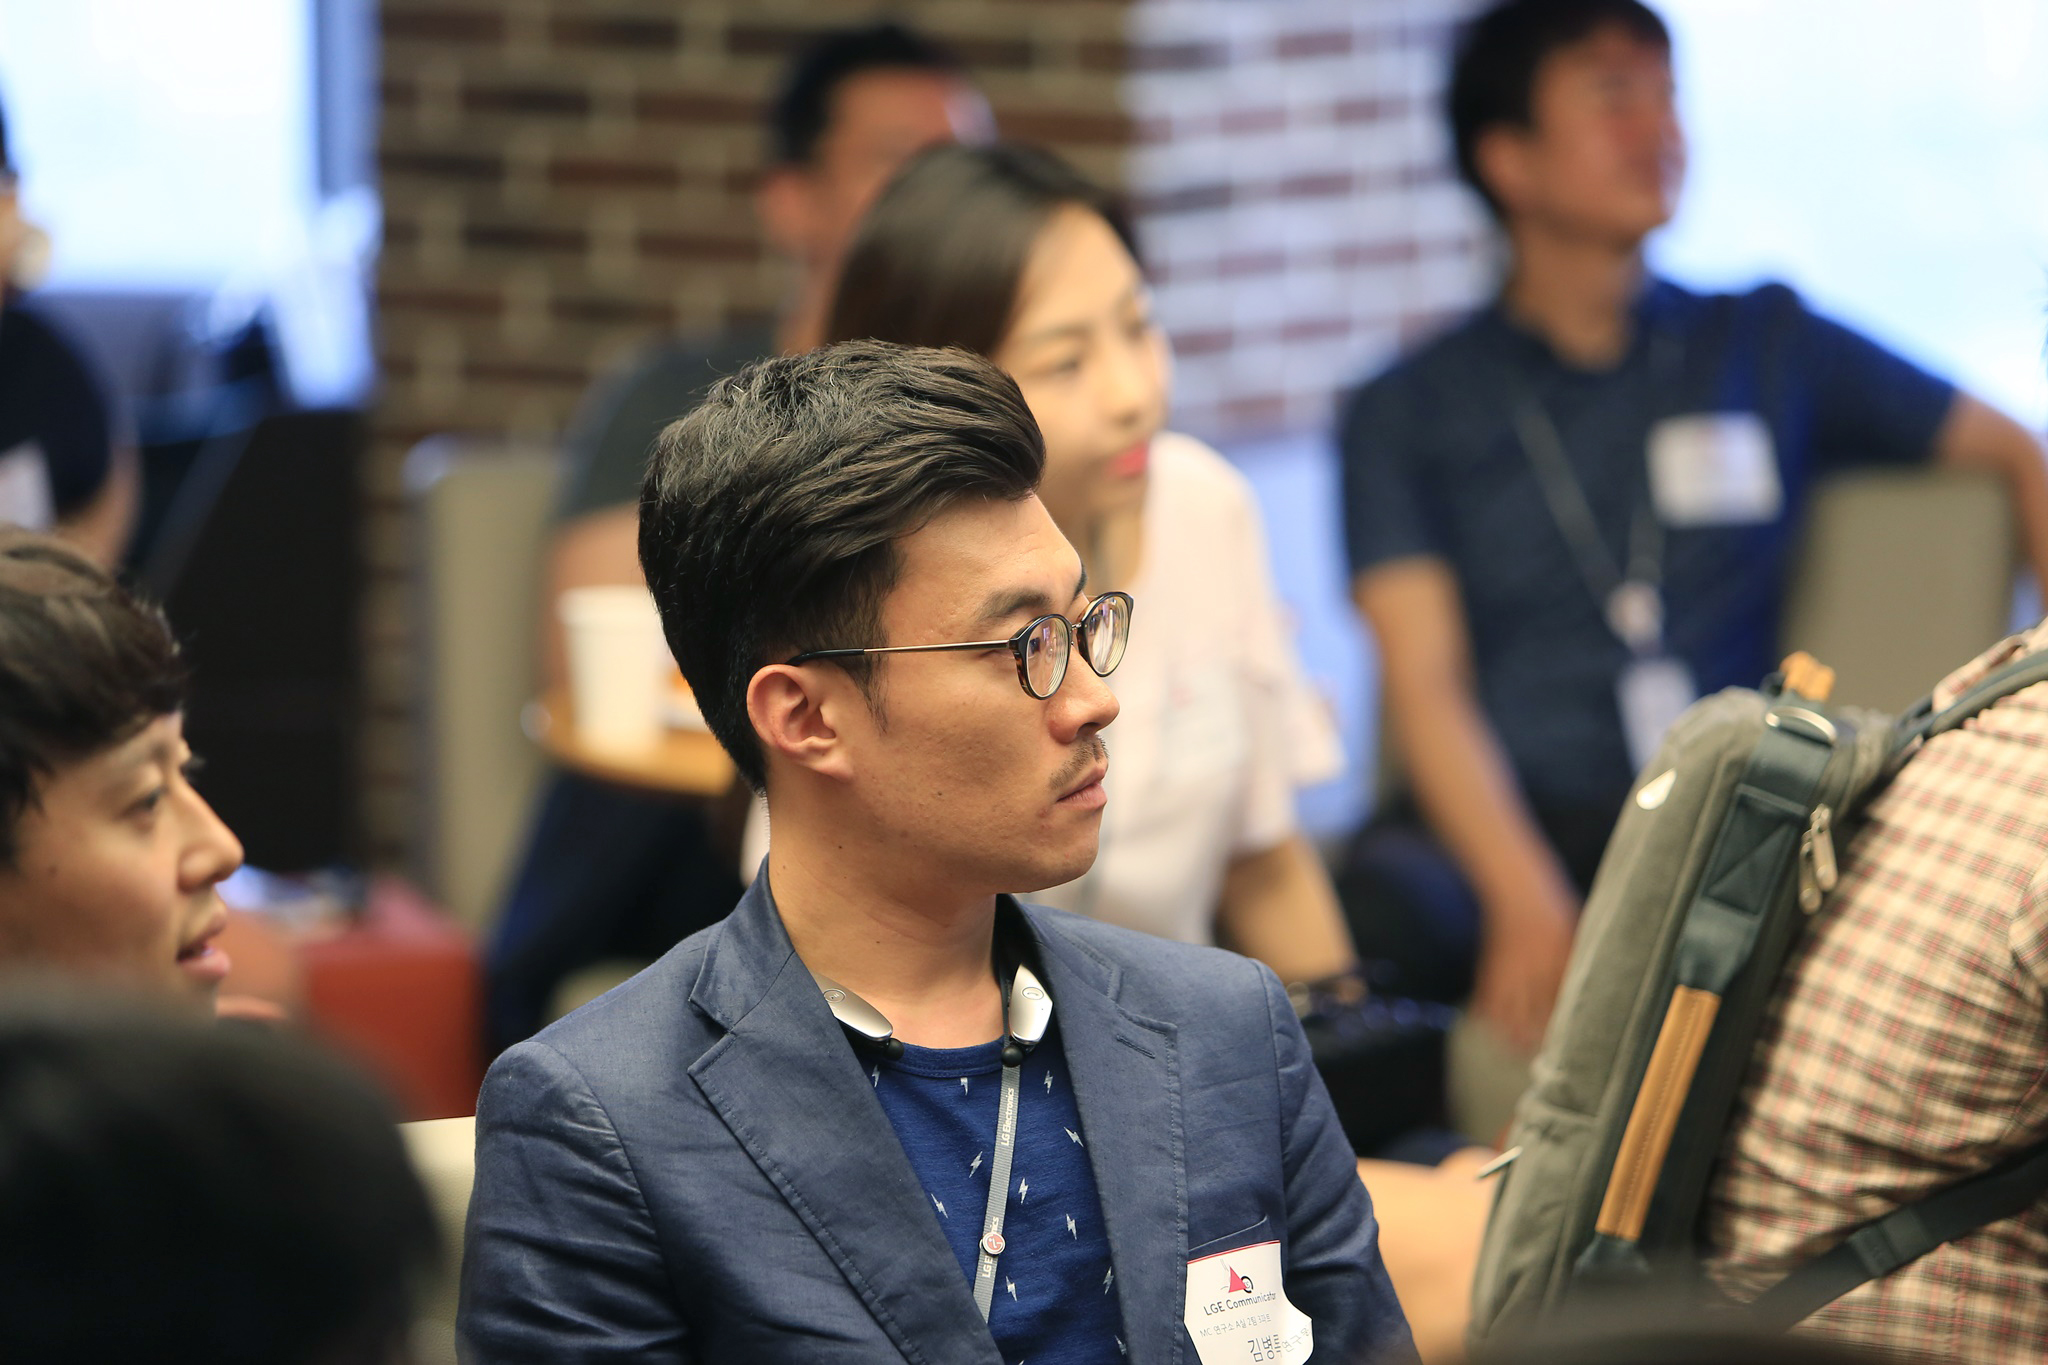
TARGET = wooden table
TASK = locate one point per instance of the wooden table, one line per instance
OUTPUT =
(680, 762)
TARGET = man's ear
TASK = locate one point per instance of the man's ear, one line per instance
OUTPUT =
(1502, 155)
(792, 711)
(784, 202)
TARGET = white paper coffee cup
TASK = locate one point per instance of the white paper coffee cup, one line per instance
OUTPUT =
(617, 663)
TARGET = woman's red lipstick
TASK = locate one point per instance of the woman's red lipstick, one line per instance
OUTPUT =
(1132, 462)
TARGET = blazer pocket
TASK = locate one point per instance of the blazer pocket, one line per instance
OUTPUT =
(1244, 1236)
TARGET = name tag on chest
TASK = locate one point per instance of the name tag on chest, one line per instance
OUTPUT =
(25, 497)
(1714, 469)
(1238, 1313)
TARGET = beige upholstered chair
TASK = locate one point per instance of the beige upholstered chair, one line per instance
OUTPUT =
(443, 1153)
(1902, 576)
(480, 519)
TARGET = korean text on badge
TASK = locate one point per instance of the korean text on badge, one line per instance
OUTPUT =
(1238, 1313)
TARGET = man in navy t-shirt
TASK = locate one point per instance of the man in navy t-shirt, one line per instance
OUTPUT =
(61, 467)
(1572, 513)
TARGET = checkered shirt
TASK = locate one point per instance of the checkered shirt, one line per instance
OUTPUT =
(1909, 1047)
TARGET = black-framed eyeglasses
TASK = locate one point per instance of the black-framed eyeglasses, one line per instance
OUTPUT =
(1041, 648)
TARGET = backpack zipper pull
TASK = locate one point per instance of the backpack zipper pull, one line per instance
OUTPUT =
(1818, 870)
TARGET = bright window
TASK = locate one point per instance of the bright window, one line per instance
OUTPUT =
(1887, 158)
(162, 145)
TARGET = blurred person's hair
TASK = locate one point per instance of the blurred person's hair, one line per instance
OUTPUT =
(802, 108)
(171, 1190)
(770, 514)
(1684, 1346)
(938, 259)
(1665, 1320)
(84, 665)
(1493, 75)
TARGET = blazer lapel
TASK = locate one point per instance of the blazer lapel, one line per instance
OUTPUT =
(1126, 1080)
(797, 1097)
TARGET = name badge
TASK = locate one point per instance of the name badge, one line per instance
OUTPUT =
(1238, 1312)
(1714, 469)
(25, 497)
(1652, 693)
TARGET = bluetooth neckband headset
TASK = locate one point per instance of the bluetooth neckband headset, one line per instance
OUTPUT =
(1027, 1012)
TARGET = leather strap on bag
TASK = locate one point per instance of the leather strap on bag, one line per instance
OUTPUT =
(1753, 856)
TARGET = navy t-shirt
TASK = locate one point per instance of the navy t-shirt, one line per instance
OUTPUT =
(1432, 466)
(613, 431)
(51, 400)
(1055, 1297)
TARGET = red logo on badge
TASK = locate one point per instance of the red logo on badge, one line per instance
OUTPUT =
(1239, 1284)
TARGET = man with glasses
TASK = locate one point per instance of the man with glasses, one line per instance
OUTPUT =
(852, 107)
(883, 1109)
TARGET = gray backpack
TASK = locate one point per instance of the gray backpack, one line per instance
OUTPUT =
(1728, 842)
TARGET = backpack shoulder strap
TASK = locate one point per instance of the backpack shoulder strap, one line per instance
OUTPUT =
(1905, 1235)
(1923, 722)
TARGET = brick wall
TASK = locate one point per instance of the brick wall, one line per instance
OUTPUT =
(565, 179)
(1298, 208)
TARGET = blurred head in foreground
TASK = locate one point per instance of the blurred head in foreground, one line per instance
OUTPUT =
(109, 860)
(1661, 1324)
(172, 1190)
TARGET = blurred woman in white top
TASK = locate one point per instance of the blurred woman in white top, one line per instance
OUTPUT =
(1007, 251)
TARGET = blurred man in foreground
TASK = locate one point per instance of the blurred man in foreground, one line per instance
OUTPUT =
(612, 872)
(1906, 1045)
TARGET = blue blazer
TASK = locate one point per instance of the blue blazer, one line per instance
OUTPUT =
(694, 1167)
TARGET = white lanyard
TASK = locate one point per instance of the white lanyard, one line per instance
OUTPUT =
(1027, 1010)
(998, 1190)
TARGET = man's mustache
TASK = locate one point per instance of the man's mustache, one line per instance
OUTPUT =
(1087, 754)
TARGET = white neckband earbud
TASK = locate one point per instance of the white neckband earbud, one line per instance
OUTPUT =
(1027, 1013)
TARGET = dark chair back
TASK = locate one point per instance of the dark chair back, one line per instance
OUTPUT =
(261, 577)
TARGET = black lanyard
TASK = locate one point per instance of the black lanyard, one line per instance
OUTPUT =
(1630, 598)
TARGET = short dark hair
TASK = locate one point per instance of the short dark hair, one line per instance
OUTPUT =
(802, 109)
(1493, 76)
(172, 1189)
(770, 515)
(1659, 1323)
(937, 259)
(84, 665)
